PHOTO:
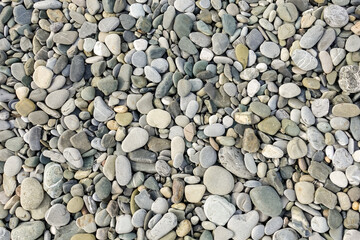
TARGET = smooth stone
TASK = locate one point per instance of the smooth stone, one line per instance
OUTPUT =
(319, 224)
(194, 193)
(312, 36)
(325, 197)
(270, 49)
(269, 125)
(123, 224)
(271, 151)
(242, 224)
(123, 170)
(231, 159)
(12, 166)
(218, 180)
(346, 110)
(43, 77)
(73, 156)
(285, 234)
(315, 138)
(158, 118)
(28, 230)
(220, 43)
(273, 225)
(208, 157)
(254, 39)
(218, 210)
(102, 112)
(266, 200)
(339, 179)
(320, 107)
(56, 99)
(352, 43)
(342, 159)
(287, 12)
(304, 192)
(66, 37)
(57, 215)
(31, 194)
(304, 60)
(289, 90)
(152, 74)
(52, 181)
(214, 130)
(164, 226)
(335, 16)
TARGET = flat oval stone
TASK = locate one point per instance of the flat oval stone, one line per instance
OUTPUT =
(346, 110)
(218, 210)
(123, 170)
(266, 200)
(218, 180)
(31, 194)
(335, 16)
(158, 118)
(289, 90)
(304, 60)
(57, 215)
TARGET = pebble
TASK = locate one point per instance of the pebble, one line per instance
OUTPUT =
(57, 215)
(31, 194)
(218, 180)
(335, 16)
(242, 224)
(266, 200)
(218, 210)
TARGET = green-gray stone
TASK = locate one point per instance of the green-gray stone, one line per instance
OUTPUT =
(107, 85)
(183, 25)
(187, 46)
(229, 24)
(260, 109)
(266, 200)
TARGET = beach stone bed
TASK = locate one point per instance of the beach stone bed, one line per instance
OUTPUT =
(179, 119)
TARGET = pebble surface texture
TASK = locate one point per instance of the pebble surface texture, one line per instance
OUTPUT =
(179, 119)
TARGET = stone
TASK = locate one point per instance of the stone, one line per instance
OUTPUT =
(346, 110)
(218, 180)
(31, 194)
(271, 151)
(123, 170)
(287, 12)
(342, 159)
(269, 125)
(296, 148)
(12, 166)
(304, 192)
(218, 210)
(158, 118)
(220, 43)
(335, 16)
(270, 49)
(349, 78)
(102, 112)
(214, 130)
(289, 90)
(312, 36)
(73, 156)
(325, 197)
(57, 215)
(43, 77)
(164, 226)
(304, 60)
(65, 37)
(123, 224)
(242, 54)
(208, 157)
(266, 200)
(242, 224)
(28, 230)
(194, 193)
(254, 39)
(232, 160)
